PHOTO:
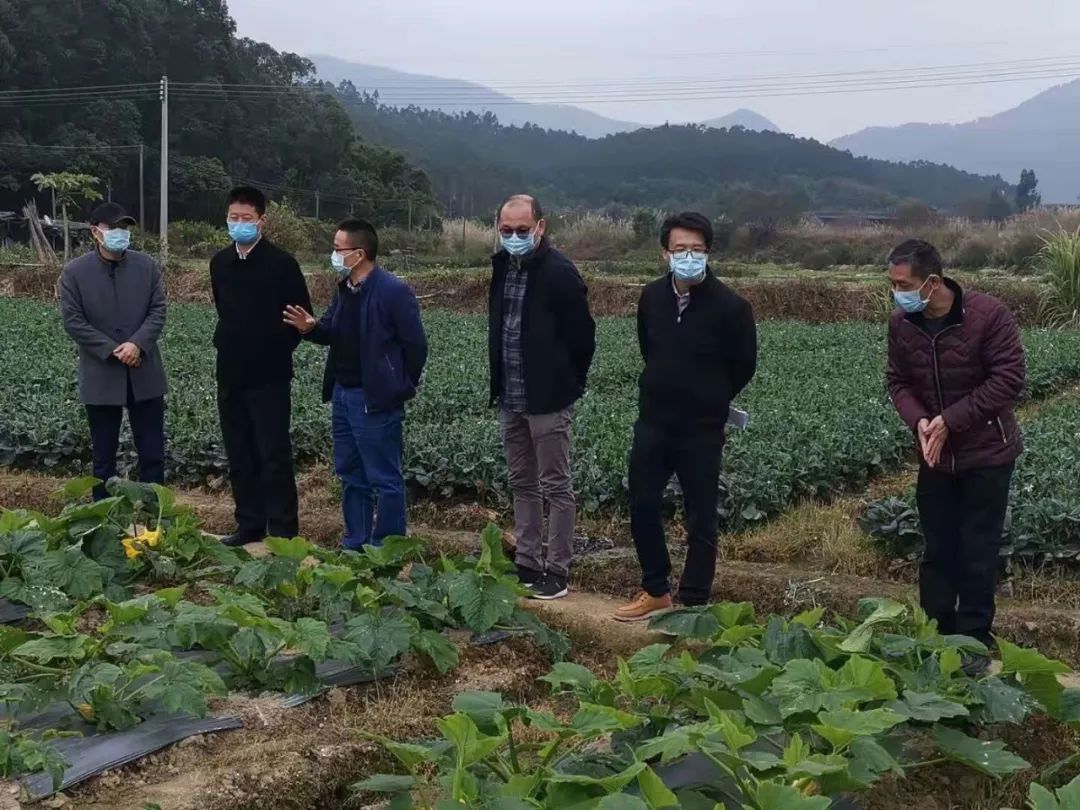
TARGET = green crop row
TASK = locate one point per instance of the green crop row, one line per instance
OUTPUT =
(820, 420)
(1044, 511)
(775, 714)
(123, 592)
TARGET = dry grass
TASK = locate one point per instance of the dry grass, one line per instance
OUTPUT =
(468, 237)
(824, 536)
(595, 236)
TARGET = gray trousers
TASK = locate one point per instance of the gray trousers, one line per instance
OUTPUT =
(537, 451)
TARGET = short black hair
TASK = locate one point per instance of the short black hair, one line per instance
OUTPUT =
(690, 221)
(248, 195)
(537, 211)
(362, 235)
(923, 257)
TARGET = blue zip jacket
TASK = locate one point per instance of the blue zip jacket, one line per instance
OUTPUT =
(394, 347)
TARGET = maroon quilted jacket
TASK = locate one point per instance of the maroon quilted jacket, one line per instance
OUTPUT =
(972, 372)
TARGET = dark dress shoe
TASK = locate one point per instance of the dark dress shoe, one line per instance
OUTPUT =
(239, 540)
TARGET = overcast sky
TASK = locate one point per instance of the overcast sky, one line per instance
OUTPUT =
(589, 47)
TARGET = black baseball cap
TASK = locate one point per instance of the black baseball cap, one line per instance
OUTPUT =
(112, 214)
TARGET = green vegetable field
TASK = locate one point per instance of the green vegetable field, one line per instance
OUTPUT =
(1044, 518)
(820, 420)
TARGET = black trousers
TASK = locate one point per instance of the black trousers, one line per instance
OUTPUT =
(147, 420)
(255, 427)
(694, 458)
(963, 518)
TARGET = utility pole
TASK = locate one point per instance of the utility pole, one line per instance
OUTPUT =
(142, 192)
(54, 205)
(316, 204)
(163, 223)
(108, 191)
(410, 213)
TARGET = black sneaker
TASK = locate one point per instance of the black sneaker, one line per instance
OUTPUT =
(974, 665)
(528, 576)
(239, 540)
(551, 586)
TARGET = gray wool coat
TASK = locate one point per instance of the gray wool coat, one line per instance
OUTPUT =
(105, 304)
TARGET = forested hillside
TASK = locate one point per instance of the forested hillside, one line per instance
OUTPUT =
(472, 160)
(291, 139)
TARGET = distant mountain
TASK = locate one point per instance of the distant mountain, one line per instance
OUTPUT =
(747, 119)
(399, 89)
(1042, 134)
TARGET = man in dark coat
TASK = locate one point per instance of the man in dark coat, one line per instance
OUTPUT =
(955, 373)
(253, 280)
(541, 340)
(699, 343)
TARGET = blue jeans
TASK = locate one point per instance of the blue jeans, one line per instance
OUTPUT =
(367, 459)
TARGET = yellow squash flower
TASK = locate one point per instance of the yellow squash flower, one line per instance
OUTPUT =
(87, 712)
(134, 546)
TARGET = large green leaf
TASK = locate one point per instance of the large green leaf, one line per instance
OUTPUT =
(482, 600)
(784, 642)
(566, 673)
(886, 612)
(438, 648)
(926, 707)
(1020, 661)
(687, 623)
(1001, 702)
(291, 548)
(988, 756)
(774, 796)
(482, 708)
(1064, 798)
(842, 726)
(591, 720)
(654, 791)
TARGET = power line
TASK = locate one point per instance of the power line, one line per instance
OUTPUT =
(87, 148)
(81, 89)
(699, 80)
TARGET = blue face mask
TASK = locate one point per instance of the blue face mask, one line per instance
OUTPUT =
(688, 265)
(116, 240)
(911, 300)
(243, 233)
(337, 261)
(517, 245)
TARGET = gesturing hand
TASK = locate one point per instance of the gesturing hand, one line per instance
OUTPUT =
(299, 319)
(129, 354)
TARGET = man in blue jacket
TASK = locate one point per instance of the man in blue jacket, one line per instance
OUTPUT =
(377, 353)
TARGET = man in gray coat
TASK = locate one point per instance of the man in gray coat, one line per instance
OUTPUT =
(113, 304)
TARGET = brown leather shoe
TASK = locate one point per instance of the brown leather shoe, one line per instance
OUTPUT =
(644, 607)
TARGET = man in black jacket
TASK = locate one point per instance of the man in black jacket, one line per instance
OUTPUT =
(699, 344)
(253, 281)
(541, 340)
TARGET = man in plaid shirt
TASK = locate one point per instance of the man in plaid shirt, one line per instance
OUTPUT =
(541, 340)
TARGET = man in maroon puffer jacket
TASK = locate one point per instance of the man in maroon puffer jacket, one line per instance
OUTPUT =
(955, 373)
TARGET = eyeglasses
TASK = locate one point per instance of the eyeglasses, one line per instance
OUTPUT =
(686, 254)
(523, 231)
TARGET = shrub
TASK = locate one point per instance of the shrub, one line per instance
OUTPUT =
(196, 239)
(974, 253)
(286, 228)
(646, 224)
(17, 254)
(1021, 250)
(1059, 264)
(819, 259)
